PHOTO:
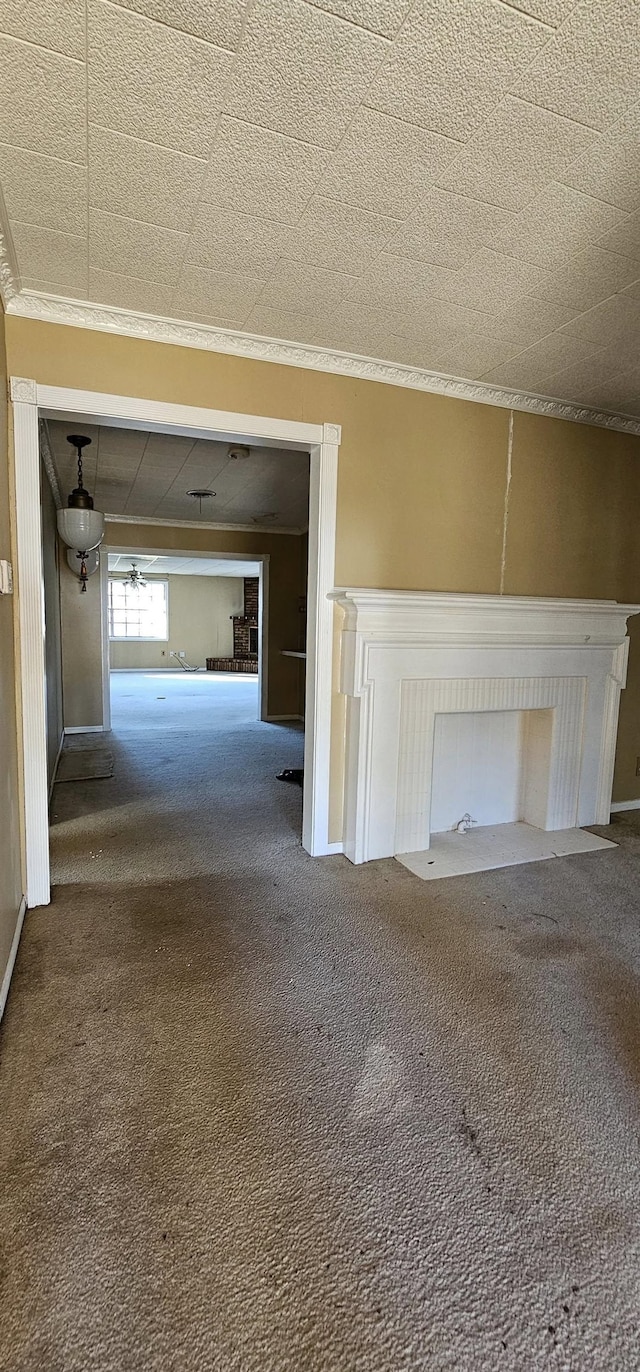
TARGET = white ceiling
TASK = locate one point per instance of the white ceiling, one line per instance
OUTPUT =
(451, 184)
(129, 472)
(180, 566)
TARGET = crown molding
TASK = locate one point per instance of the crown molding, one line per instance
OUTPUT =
(157, 329)
(203, 524)
(9, 274)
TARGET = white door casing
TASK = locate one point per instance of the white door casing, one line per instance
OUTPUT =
(29, 401)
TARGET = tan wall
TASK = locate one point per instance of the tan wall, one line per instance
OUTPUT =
(10, 862)
(200, 610)
(81, 623)
(422, 481)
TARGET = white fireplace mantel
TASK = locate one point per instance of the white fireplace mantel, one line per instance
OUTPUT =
(409, 656)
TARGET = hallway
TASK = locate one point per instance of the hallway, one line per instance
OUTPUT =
(264, 1113)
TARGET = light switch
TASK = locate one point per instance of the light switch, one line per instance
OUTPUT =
(6, 577)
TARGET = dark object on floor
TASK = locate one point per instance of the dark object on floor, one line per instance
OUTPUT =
(85, 764)
(293, 774)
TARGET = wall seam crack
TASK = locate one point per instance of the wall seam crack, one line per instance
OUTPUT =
(507, 494)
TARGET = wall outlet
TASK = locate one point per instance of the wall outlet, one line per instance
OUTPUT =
(181, 654)
(6, 577)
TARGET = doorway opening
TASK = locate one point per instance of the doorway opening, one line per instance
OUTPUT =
(319, 443)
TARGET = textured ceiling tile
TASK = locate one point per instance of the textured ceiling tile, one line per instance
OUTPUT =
(55, 257)
(142, 250)
(381, 16)
(473, 356)
(633, 290)
(217, 321)
(530, 368)
(357, 340)
(261, 172)
(141, 180)
(597, 376)
(129, 292)
(560, 223)
(215, 293)
(153, 82)
(517, 149)
(447, 229)
(222, 239)
(395, 281)
(305, 71)
(216, 21)
(528, 320)
(275, 323)
(297, 286)
(43, 190)
(625, 238)
(42, 286)
(614, 321)
(490, 282)
(450, 63)
(42, 101)
(591, 277)
(385, 165)
(333, 235)
(620, 393)
(428, 356)
(610, 168)
(589, 69)
(56, 24)
(552, 12)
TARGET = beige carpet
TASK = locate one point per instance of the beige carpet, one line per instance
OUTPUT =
(267, 1114)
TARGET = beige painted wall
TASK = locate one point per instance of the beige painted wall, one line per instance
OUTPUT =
(422, 484)
(81, 626)
(52, 553)
(10, 863)
(200, 610)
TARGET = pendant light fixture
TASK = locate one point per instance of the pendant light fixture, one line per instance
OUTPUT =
(79, 525)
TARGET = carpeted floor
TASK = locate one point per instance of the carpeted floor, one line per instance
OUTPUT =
(267, 1114)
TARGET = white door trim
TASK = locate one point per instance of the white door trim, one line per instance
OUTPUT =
(30, 401)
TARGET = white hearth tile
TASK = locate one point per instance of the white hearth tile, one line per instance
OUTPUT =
(497, 845)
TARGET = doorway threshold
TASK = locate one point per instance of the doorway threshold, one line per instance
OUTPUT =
(497, 845)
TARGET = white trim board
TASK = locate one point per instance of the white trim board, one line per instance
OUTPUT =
(31, 401)
(13, 953)
(87, 729)
(617, 806)
(180, 333)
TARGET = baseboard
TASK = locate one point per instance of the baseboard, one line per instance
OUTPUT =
(55, 765)
(333, 848)
(8, 971)
(282, 719)
(618, 805)
(86, 729)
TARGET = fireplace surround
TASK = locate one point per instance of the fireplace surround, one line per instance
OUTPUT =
(408, 658)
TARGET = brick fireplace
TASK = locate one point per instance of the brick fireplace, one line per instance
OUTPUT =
(245, 635)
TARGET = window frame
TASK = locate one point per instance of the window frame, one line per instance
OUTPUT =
(139, 638)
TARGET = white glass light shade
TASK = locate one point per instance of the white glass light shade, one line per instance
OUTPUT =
(81, 529)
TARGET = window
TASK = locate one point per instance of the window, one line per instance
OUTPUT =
(138, 611)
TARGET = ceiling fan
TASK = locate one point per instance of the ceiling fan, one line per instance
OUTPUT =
(135, 578)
